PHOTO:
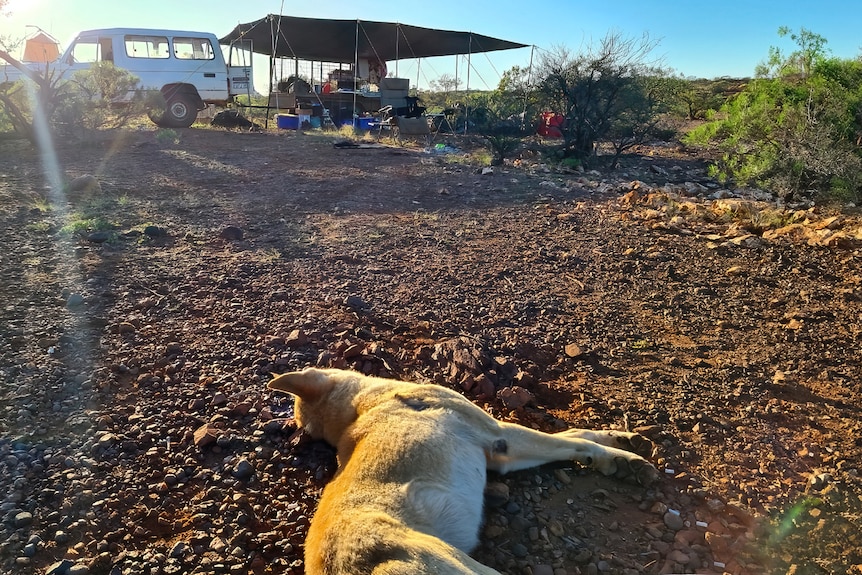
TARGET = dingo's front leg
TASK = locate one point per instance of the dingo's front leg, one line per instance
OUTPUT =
(634, 442)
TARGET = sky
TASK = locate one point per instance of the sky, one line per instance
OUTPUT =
(695, 38)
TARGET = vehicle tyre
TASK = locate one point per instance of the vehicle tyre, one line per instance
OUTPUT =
(179, 111)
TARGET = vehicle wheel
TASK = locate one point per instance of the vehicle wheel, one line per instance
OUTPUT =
(179, 111)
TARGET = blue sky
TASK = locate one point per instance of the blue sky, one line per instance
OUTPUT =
(703, 39)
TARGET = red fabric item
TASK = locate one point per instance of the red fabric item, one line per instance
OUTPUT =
(551, 125)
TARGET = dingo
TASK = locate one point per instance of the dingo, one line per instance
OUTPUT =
(412, 460)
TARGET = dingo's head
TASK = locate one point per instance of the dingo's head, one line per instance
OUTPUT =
(324, 400)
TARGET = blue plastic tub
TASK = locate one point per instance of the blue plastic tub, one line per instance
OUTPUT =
(360, 123)
(287, 121)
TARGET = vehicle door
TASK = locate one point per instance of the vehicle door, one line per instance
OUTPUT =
(202, 65)
(86, 50)
(239, 66)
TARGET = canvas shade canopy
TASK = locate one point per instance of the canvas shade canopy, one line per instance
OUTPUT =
(345, 40)
(41, 48)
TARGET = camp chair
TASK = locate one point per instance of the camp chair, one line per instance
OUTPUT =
(443, 122)
(404, 126)
(400, 126)
(412, 109)
(383, 120)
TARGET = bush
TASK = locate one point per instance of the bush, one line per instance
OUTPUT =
(102, 96)
(795, 128)
(98, 98)
(610, 93)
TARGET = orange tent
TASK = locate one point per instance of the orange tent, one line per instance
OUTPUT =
(41, 48)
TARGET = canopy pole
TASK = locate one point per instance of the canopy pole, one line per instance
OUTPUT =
(273, 35)
(527, 87)
(271, 72)
(355, 79)
(467, 99)
(397, 45)
(456, 74)
(269, 94)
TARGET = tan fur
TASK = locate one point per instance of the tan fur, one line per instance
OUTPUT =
(407, 497)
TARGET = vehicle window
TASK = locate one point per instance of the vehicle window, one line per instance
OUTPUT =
(85, 51)
(147, 47)
(193, 49)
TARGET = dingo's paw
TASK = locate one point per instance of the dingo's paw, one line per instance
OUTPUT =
(636, 443)
(629, 468)
(635, 470)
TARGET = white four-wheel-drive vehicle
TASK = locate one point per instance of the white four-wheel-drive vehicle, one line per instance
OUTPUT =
(188, 68)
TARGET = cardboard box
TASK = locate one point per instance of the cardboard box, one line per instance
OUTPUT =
(394, 102)
(389, 94)
(394, 84)
(282, 101)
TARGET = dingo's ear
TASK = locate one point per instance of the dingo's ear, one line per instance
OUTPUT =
(309, 385)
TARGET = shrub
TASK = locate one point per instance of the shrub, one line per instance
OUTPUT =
(611, 92)
(102, 96)
(795, 128)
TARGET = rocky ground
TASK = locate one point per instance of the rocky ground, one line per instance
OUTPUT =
(144, 309)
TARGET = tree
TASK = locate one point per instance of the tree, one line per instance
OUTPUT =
(26, 105)
(796, 128)
(610, 91)
(699, 96)
(84, 102)
(445, 83)
(811, 49)
(644, 101)
(497, 117)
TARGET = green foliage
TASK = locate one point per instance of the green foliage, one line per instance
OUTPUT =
(90, 100)
(167, 136)
(501, 145)
(100, 97)
(5, 121)
(795, 129)
(499, 116)
(610, 92)
(698, 99)
(42, 227)
(94, 214)
(83, 225)
(253, 107)
(644, 100)
(20, 100)
(811, 49)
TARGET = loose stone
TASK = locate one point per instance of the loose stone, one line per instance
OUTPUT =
(23, 519)
(673, 521)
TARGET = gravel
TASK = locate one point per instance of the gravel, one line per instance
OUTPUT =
(137, 435)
